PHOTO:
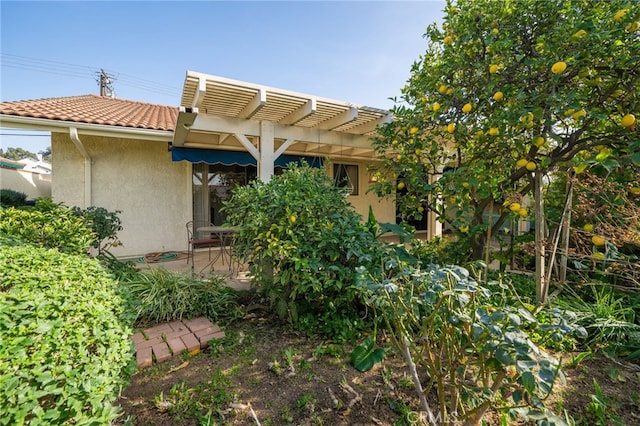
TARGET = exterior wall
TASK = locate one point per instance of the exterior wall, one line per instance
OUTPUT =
(35, 185)
(154, 194)
(134, 176)
(384, 209)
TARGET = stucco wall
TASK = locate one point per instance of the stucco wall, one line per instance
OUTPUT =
(34, 185)
(153, 193)
(134, 176)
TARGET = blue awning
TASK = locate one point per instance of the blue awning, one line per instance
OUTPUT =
(235, 158)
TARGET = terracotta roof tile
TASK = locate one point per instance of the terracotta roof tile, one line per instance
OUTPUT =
(94, 109)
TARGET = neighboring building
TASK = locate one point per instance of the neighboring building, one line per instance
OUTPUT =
(162, 166)
(36, 166)
(35, 182)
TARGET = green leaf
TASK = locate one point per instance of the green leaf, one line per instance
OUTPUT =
(546, 375)
(528, 381)
(504, 357)
(365, 355)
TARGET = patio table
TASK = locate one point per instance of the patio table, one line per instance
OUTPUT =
(225, 235)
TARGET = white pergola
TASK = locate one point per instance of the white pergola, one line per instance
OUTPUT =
(224, 114)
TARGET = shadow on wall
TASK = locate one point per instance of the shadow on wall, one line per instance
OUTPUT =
(34, 185)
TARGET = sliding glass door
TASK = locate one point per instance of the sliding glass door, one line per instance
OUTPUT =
(212, 186)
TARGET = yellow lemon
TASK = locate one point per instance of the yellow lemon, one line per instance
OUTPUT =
(598, 240)
(628, 120)
(579, 168)
(599, 256)
(580, 34)
(522, 162)
(523, 212)
(448, 40)
(442, 89)
(493, 68)
(635, 190)
(559, 67)
(539, 141)
(435, 107)
(467, 108)
(398, 157)
(514, 207)
(449, 91)
(494, 131)
(420, 209)
(479, 133)
(620, 14)
(292, 219)
(418, 151)
(531, 166)
(464, 229)
(578, 114)
(498, 96)
(588, 227)
(400, 185)
(394, 143)
(495, 31)
(465, 184)
(451, 127)
(413, 130)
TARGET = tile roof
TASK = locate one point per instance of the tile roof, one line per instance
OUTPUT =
(10, 164)
(94, 109)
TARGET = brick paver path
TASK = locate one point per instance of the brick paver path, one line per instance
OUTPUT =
(161, 342)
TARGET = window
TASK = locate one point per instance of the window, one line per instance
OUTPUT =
(346, 176)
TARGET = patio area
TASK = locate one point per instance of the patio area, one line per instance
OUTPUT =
(237, 277)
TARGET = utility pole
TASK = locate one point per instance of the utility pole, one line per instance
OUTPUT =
(104, 80)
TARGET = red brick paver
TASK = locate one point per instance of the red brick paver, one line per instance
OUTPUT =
(176, 345)
(144, 358)
(204, 339)
(161, 342)
(191, 342)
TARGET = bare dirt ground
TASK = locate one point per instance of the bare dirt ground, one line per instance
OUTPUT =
(263, 373)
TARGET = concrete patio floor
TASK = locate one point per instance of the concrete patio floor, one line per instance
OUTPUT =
(236, 277)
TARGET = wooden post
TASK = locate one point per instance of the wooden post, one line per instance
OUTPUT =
(542, 285)
(566, 228)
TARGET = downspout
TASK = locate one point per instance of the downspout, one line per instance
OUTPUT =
(73, 133)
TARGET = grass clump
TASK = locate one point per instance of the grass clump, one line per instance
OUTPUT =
(161, 295)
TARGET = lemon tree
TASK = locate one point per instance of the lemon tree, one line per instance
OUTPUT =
(555, 84)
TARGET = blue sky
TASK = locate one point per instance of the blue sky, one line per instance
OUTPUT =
(354, 51)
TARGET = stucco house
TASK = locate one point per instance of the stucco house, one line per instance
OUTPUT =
(32, 178)
(162, 166)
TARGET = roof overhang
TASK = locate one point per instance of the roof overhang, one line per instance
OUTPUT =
(60, 126)
(219, 113)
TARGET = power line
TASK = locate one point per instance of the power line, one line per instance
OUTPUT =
(84, 71)
(26, 134)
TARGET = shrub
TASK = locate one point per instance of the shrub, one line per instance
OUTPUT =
(475, 353)
(439, 250)
(65, 352)
(11, 198)
(162, 295)
(104, 224)
(302, 241)
(47, 225)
